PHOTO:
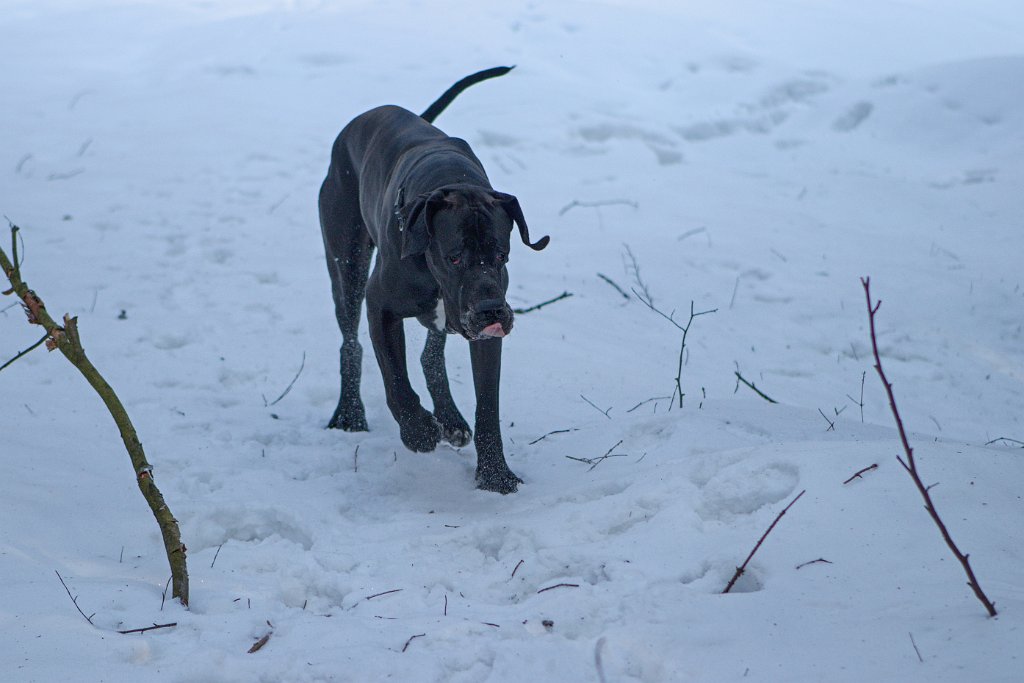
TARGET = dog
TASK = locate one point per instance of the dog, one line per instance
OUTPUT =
(442, 234)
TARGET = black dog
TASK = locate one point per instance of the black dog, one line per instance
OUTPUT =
(423, 200)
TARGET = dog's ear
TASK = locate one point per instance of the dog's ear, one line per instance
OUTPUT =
(414, 220)
(515, 212)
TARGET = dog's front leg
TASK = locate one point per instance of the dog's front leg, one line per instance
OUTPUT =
(420, 431)
(492, 472)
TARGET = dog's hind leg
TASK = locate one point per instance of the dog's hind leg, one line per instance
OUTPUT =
(349, 249)
(454, 428)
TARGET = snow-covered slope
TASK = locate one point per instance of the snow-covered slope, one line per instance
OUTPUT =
(163, 161)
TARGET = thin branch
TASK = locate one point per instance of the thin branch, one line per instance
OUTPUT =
(740, 378)
(603, 412)
(645, 402)
(412, 638)
(66, 338)
(1008, 440)
(216, 555)
(856, 475)
(613, 284)
(26, 351)
(743, 567)
(292, 383)
(559, 585)
(594, 462)
(261, 642)
(860, 403)
(150, 628)
(633, 268)
(831, 424)
(919, 657)
(377, 595)
(911, 466)
(74, 599)
(820, 560)
(535, 307)
(518, 565)
(557, 431)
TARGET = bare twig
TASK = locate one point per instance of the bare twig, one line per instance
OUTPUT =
(911, 465)
(518, 565)
(216, 555)
(412, 638)
(557, 431)
(685, 329)
(377, 595)
(646, 401)
(856, 475)
(820, 560)
(559, 585)
(535, 307)
(743, 567)
(740, 378)
(150, 628)
(831, 424)
(26, 351)
(603, 412)
(292, 383)
(596, 204)
(632, 267)
(594, 462)
(355, 459)
(74, 599)
(613, 284)
(860, 403)
(919, 657)
(1008, 440)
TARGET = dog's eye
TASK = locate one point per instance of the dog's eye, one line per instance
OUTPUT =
(501, 258)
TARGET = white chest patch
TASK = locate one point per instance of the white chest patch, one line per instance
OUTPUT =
(440, 320)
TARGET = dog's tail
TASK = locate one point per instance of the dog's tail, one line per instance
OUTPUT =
(451, 93)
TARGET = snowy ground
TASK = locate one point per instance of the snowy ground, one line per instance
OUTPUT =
(163, 160)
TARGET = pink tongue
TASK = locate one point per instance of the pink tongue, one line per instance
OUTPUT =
(492, 331)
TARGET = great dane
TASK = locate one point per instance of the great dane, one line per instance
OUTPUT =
(422, 199)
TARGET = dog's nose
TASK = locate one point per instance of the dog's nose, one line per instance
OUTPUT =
(488, 305)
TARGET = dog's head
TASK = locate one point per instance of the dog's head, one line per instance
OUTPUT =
(464, 232)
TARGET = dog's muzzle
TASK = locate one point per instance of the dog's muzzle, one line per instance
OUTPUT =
(489, 319)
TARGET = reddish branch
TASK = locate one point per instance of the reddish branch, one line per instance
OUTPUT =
(856, 475)
(743, 567)
(911, 466)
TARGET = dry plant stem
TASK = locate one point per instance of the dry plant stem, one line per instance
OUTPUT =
(66, 339)
(682, 345)
(911, 466)
(412, 638)
(150, 628)
(563, 295)
(743, 567)
(26, 351)
(856, 475)
(613, 284)
(74, 599)
(741, 378)
(559, 585)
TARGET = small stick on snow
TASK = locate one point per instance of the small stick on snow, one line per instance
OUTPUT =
(919, 657)
(292, 383)
(518, 565)
(831, 424)
(74, 599)
(559, 585)
(820, 560)
(1008, 440)
(355, 459)
(645, 402)
(603, 412)
(377, 595)
(557, 431)
(262, 641)
(613, 284)
(535, 307)
(741, 378)
(150, 628)
(412, 638)
(596, 204)
(594, 462)
(742, 568)
(215, 555)
(856, 475)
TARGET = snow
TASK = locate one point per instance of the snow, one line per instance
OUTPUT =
(163, 159)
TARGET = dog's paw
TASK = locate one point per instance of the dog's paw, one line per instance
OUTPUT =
(501, 481)
(350, 420)
(420, 432)
(454, 429)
